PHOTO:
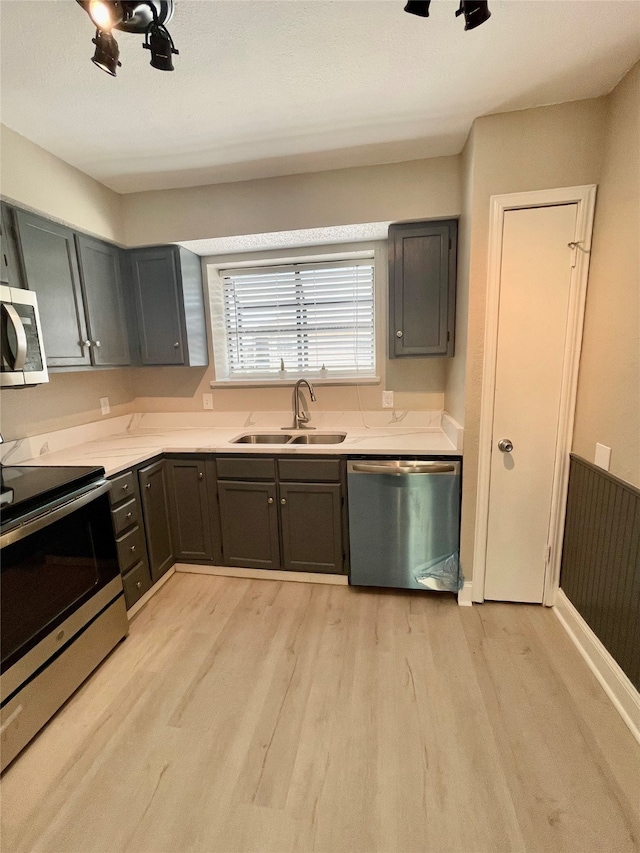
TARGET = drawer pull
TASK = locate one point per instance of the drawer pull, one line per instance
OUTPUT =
(125, 487)
(139, 584)
(132, 549)
(129, 515)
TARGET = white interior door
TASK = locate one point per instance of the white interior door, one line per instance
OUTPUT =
(534, 293)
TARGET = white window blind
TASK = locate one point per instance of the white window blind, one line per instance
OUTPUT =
(308, 315)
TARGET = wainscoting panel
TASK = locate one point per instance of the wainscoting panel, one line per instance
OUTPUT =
(600, 571)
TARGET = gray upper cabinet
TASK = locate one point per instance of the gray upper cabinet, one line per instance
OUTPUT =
(104, 302)
(50, 264)
(422, 288)
(9, 267)
(167, 288)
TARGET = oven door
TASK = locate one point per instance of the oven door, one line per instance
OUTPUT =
(54, 566)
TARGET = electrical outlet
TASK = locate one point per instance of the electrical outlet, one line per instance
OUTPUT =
(105, 408)
(387, 399)
(207, 401)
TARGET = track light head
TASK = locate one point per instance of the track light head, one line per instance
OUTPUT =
(106, 53)
(475, 12)
(418, 7)
(105, 15)
(160, 43)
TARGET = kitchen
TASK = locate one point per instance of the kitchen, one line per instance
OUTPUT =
(570, 144)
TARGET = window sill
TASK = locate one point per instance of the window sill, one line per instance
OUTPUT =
(289, 383)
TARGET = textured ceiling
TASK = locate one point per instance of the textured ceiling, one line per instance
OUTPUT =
(264, 88)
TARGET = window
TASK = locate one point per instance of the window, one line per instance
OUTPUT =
(305, 316)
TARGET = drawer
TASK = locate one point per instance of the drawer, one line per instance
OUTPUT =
(246, 468)
(136, 582)
(131, 548)
(311, 470)
(125, 516)
(122, 487)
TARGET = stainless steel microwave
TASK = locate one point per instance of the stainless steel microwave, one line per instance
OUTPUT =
(22, 353)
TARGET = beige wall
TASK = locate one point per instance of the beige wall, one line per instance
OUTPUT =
(67, 400)
(418, 189)
(533, 149)
(36, 179)
(608, 405)
(455, 388)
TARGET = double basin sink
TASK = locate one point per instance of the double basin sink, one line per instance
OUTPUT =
(290, 438)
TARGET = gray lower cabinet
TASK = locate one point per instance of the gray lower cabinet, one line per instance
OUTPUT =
(292, 519)
(104, 302)
(422, 288)
(50, 264)
(154, 494)
(249, 524)
(193, 525)
(128, 528)
(169, 304)
(311, 527)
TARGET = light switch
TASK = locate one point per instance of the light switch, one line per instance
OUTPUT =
(207, 401)
(105, 408)
(603, 456)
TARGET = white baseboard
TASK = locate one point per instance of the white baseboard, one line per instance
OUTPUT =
(263, 574)
(465, 595)
(140, 603)
(615, 683)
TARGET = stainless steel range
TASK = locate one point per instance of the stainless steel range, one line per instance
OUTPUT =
(61, 597)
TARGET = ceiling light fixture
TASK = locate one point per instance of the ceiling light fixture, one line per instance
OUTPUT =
(107, 52)
(475, 12)
(418, 7)
(146, 17)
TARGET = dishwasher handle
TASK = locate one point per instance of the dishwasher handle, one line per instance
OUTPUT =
(402, 467)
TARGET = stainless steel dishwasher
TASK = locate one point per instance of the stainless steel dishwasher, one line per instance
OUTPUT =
(404, 523)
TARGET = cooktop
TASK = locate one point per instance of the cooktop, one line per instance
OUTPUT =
(25, 488)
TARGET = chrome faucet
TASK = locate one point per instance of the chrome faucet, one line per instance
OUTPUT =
(301, 419)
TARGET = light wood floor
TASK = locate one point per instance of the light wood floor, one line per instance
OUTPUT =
(246, 715)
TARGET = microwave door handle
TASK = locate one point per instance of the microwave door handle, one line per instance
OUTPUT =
(21, 338)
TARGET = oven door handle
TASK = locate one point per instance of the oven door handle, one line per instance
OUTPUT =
(80, 499)
(20, 356)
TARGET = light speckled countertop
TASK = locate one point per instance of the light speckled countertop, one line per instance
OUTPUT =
(149, 436)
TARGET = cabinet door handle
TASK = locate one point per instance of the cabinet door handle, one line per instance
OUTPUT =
(283, 501)
(139, 584)
(200, 475)
(399, 333)
(148, 486)
(87, 343)
(96, 343)
(176, 345)
(269, 500)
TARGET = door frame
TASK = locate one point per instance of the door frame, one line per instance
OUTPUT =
(584, 197)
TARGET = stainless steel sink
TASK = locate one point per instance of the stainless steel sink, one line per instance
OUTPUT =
(262, 438)
(289, 438)
(319, 438)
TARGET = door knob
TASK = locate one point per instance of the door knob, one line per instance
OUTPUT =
(505, 445)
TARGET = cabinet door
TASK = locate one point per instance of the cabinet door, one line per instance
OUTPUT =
(9, 269)
(104, 301)
(249, 524)
(155, 507)
(422, 277)
(190, 524)
(311, 523)
(51, 269)
(157, 296)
